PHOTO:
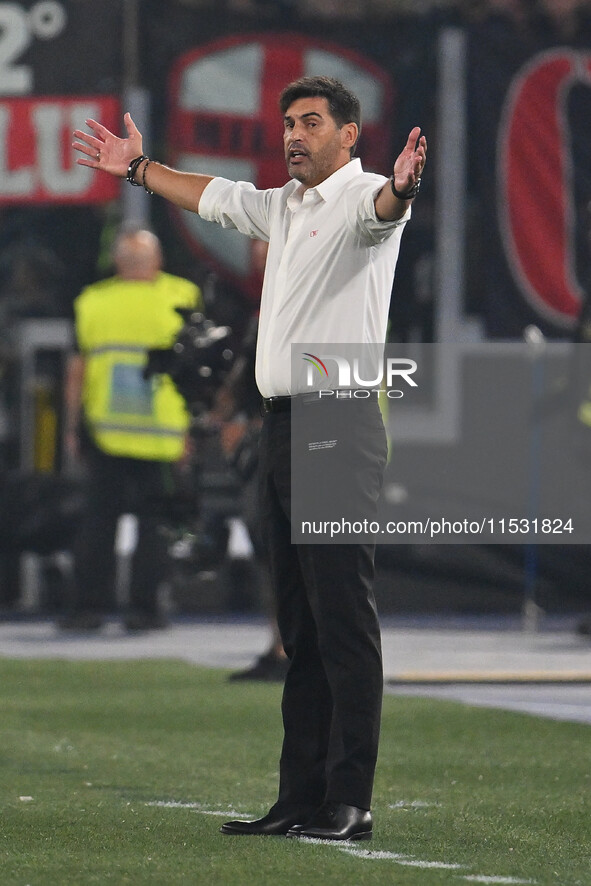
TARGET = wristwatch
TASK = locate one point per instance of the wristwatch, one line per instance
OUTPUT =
(406, 195)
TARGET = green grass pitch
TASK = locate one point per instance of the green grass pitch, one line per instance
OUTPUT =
(121, 773)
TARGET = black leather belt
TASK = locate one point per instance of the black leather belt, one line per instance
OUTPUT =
(283, 403)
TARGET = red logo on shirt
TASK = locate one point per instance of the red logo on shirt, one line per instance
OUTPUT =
(225, 120)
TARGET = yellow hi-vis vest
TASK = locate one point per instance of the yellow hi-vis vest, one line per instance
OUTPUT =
(117, 321)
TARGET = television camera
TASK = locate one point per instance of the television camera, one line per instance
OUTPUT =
(205, 491)
(197, 362)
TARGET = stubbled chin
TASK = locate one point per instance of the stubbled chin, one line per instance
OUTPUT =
(296, 171)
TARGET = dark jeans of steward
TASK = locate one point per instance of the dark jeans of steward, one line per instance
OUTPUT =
(118, 486)
(326, 610)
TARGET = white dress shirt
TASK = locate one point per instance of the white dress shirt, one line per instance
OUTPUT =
(330, 265)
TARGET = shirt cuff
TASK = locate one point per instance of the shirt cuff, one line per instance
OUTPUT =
(207, 203)
(392, 223)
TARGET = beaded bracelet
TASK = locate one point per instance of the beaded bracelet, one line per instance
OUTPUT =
(146, 188)
(132, 169)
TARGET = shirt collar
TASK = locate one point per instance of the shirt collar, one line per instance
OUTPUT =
(332, 185)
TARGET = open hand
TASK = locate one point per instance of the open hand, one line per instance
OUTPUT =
(411, 161)
(106, 151)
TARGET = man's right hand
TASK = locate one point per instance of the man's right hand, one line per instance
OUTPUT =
(104, 150)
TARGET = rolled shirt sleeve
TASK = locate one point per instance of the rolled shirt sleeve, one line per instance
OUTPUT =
(237, 205)
(373, 229)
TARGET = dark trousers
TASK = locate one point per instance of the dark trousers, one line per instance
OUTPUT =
(327, 618)
(117, 486)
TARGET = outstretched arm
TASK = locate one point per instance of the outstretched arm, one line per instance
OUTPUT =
(407, 172)
(103, 150)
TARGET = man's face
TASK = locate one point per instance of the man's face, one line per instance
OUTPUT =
(314, 145)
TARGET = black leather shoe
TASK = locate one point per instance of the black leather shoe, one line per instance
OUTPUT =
(269, 668)
(277, 821)
(336, 821)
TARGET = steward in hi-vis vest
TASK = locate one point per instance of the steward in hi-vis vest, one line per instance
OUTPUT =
(117, 321)
(129, 429)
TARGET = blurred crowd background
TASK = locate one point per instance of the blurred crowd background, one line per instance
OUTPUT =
(499, 241)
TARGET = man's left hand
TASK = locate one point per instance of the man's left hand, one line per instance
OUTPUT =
(407, 172)
(411, 161)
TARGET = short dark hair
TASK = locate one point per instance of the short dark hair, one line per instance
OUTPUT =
(343, 105)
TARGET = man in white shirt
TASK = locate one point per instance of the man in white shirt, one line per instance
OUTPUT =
(334, 233)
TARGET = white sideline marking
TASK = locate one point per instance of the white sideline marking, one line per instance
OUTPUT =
(405, 860)
(379, 854)
(175, 804)
(409, 861)
(479, 878)
(414, 804)
(368, 854)
(224, 814)
(441, 865)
